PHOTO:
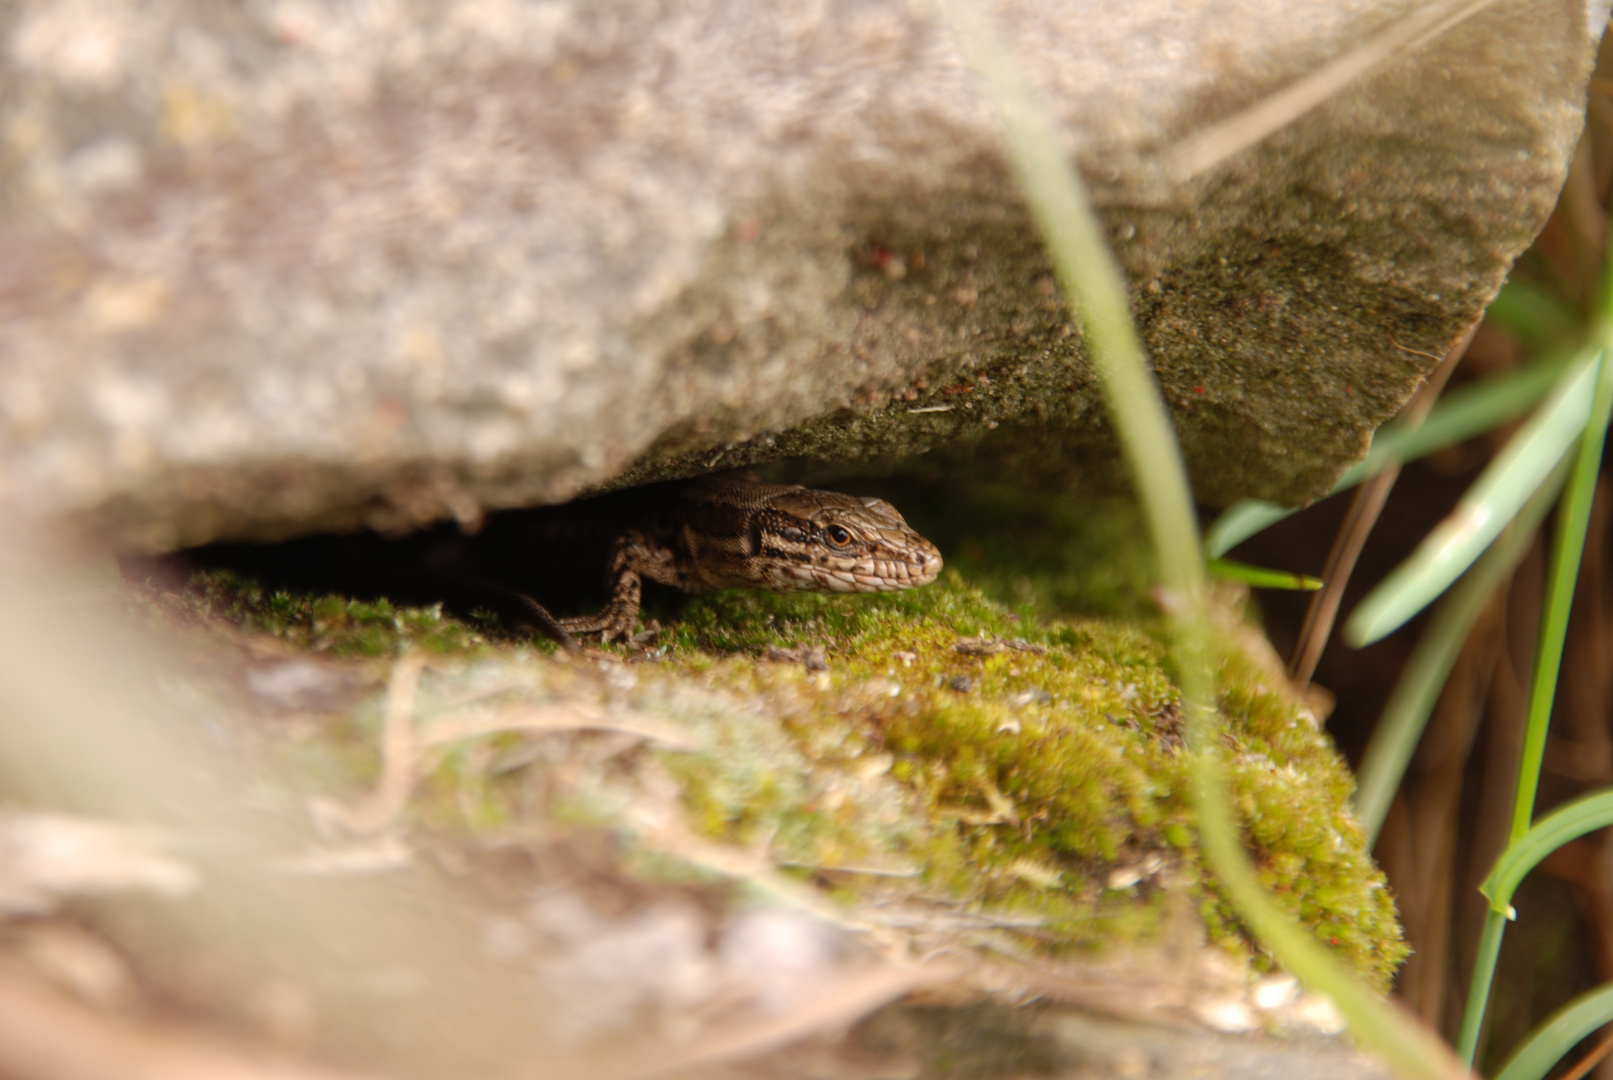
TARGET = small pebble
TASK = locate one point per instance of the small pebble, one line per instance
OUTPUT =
(961, 683)
(814, 659)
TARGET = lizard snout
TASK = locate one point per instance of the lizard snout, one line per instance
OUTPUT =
(904, 562)
(924, 562)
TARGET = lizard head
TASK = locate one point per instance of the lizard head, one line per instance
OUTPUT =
(825, 541)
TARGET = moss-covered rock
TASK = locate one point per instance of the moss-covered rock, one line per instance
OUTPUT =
(951, 749)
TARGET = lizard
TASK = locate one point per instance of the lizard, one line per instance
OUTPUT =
(727, 530)
(717, 532)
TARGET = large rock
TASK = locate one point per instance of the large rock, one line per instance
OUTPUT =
(276, 267)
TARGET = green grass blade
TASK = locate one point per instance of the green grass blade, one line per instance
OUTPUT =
(1539, 318)
(1478, 989)
(1567, 553)
(1568, 822)
(1408, 1048)
(1092, 279)
(1552, 1041)
(1262, 578)
(1460, 414)
(1409, 706)
(1562, 825)
(1493, 501)
(1239, 522)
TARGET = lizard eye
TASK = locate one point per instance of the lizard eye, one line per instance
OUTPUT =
(839, 536)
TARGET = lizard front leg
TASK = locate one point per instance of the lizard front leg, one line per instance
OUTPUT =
(632, 555)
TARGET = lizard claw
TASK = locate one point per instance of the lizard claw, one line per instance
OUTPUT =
(610, 626)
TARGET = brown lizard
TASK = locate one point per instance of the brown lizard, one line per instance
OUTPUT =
(715, 532)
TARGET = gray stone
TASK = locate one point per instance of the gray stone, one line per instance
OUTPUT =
(279, 266)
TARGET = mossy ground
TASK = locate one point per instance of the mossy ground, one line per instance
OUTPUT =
(1037, 771)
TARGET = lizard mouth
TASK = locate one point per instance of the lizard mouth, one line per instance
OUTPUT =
(917, 564)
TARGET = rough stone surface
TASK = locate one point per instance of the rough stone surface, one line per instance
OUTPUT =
(277, 266)
(410, 934)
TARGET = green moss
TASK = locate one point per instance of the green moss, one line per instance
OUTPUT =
(1034, 772)
(1038, 773)
(333, 624)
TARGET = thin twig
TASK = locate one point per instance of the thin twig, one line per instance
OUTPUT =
(1363, 514)
(400, 757)
(1592, 1059)
(1220, 141)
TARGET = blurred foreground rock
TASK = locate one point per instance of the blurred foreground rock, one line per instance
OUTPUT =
(283, 266)
(247, 928)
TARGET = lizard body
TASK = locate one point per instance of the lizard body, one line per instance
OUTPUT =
(722, 532)
(712, 532)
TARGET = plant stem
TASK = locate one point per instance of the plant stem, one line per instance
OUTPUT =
(1567, 552)
(1093, 281)
(1478, 993)
(1405, 716)
(1565, 559)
